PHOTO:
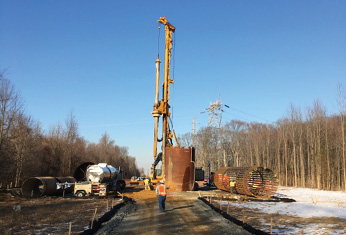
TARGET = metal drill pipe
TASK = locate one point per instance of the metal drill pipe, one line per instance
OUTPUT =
(156, 114)
(157, 81)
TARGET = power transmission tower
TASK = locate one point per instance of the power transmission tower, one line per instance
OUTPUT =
(215, 113)
(194, 126)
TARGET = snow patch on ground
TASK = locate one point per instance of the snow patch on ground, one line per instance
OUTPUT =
(310, 203)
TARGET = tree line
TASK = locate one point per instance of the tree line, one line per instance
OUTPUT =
(305, 148)
(27, 151)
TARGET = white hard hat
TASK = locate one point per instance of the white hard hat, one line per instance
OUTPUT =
(162, 182)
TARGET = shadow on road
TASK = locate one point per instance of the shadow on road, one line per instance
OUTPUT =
(131, 189)
(182, 207)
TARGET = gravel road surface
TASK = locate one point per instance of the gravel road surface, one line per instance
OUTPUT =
(183, 215)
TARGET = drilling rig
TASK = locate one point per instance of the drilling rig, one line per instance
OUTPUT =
(161, 108)
(177, 167)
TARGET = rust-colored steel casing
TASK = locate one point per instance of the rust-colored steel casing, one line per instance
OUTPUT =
(70, 182)
(79, 173)
(180, 168)
(39, 186)
(256, 181)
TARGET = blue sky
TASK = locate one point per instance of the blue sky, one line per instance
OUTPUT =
(97, 59)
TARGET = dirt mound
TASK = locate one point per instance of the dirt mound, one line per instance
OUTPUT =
(138, 192)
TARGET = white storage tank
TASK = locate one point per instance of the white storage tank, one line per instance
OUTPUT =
(101, 173)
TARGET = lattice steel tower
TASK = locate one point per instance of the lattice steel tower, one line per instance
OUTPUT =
(215, 113)
(194, 126)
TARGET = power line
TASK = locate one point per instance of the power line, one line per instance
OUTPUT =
(216, 109)
(235, 115)
(249, 114)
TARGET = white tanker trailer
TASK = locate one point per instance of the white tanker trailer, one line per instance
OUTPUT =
(99, 180)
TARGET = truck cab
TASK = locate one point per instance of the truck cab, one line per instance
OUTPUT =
(83, 189)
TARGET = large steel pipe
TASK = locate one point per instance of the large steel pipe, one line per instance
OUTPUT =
(180, 168)
(39, 186)
(257, 181)
(80, 172)
(68, 186)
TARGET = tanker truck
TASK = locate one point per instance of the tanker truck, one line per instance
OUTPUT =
(100, 179)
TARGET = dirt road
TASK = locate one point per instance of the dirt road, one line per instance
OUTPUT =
(184, 215)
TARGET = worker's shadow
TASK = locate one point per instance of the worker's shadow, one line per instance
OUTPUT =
(182, 207)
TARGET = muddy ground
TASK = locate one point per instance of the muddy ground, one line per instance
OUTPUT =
(53, 215)
(50, 215)
(182, 216)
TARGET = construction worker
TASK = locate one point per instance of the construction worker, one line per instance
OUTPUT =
(268, 186)
(231, 185)
(161, 192)
(258, 184)
(146, 184)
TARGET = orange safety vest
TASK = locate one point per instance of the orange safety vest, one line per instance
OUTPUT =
(161, 190)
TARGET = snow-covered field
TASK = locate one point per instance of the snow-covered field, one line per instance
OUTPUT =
(312, 203)
(314, 212)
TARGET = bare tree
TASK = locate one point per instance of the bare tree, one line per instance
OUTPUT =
(204, 148)
(11, 106)
(26, 138)
(70, 140)
(294, 120)
(106, 148)
(185, 140)
(54, 151)
(342, 110)
(235, 131)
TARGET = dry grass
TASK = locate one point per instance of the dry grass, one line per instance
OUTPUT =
(49, 214)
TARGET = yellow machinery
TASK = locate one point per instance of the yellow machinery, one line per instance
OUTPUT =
(161, 108)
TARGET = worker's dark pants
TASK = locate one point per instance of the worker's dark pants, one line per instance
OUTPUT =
(162, 200)
(232, 189)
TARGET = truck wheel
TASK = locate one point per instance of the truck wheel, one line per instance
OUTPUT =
(80, 194)
(123, 184)
(118, 185)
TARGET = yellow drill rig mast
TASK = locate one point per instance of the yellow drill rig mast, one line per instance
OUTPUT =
(162, 107)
